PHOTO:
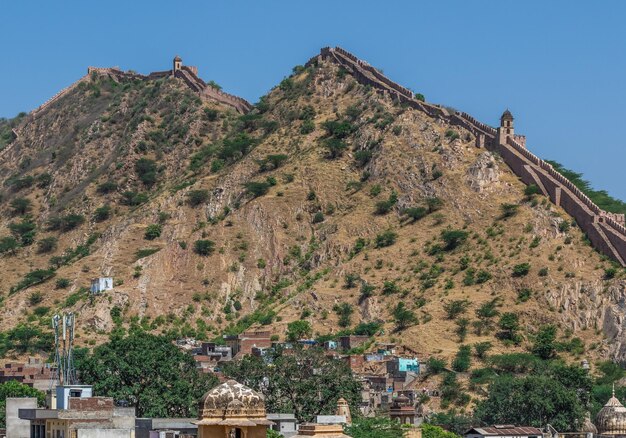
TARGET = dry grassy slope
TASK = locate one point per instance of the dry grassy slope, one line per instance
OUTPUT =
(406, 154)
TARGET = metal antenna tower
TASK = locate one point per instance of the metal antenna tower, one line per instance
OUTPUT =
(65, 373)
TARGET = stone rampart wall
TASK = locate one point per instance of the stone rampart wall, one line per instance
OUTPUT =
(606, 231)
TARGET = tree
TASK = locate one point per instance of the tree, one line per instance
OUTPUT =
(485, 313)
(147, 171)
(147, 371)
(46, 245)
(457, 423)
(8, 244)
(20, 206)
(462, 360)
(435, 365)
(557, 397)
(152, 231)
(455, 308)
(508, 210)
(415, 213)
(204, 247)
(544, 343)
(102, 213)
(386, 238)
(344, 311)
(197, 197)
(509, 324)
(481, 349)
(298, 330)
(433, 204)
(375, 427)
(24, 231)
(305, 382)
(453, 238)
(257, 188)
(521, 270)
(13, 388)
(403, 317)
(335, 147)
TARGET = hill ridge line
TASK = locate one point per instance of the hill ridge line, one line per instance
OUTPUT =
(593, 220)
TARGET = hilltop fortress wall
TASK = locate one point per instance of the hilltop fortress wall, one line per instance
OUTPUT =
(188, 74)
(606, 231)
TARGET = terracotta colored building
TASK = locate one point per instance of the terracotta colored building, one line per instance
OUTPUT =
(243, 343)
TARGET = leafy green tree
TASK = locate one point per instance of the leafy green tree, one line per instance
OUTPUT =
(386, 238)
(152, 231)
(344, 311)
(307, 382)
(509, 324)
(435, 365)
(20, 206)
(102, 213)
(558, 397)
(521, 270)
(403, 317)
(257, 188)
(298, 330)
(367, 328)
(204, 247)
(24, 231)
(197, 197)
(147, 171)
(462, 360)
(433, 204)
(13, 388)
(455, 308)
(8, 244)
(544, 344)
(509, 210)
(334, 147)
(485, 314)
(482, 348)
(46, 245)
(446, 425)
(453, 238)
(375, 427)
(149, 372)
(415, 213)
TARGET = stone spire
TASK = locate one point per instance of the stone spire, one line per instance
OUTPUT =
(343, 408)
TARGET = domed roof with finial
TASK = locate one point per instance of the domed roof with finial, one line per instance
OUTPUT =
(506, 115)
(611, 420)
(234, 404)
(177, 58)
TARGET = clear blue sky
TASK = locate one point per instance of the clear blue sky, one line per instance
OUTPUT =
(560, 66)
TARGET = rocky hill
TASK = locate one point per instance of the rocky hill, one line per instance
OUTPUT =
(336, 200)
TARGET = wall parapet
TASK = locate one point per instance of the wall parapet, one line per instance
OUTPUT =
(369, 75)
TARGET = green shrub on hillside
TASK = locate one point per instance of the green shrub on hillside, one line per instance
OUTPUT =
(197, 197)
(20, 206)
(152, 231)
(204, 247)
(386, 238)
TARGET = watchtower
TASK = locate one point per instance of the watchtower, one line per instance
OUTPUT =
(506, 127)
(177, 64)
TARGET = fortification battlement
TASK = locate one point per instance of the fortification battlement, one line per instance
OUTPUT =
(607, 231)
(116, 73)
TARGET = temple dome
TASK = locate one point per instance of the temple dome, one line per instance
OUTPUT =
(611, 420)
(232, 403)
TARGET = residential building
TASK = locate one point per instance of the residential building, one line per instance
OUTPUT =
(87, 417)
(504, 431)
(241, 344)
